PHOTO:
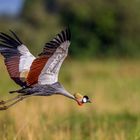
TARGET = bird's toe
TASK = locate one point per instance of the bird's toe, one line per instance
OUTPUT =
(3, 108)
(2, 102)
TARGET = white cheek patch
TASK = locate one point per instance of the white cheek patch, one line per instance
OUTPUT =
(84, 100)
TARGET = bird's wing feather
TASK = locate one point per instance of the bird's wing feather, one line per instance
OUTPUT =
(45, 69)
(18, 59)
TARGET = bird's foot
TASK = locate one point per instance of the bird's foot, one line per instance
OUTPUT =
(3, 108)
(2, 102)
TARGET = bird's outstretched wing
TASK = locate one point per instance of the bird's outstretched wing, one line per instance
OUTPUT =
(45, 68)
(18, 59)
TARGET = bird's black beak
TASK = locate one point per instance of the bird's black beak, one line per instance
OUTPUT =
(89, 101)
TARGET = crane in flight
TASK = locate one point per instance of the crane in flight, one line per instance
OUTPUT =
(36, 76)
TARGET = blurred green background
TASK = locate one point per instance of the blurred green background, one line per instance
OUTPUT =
(100, 28)
(103, 63)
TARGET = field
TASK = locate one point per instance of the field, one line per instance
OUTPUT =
(114, 88)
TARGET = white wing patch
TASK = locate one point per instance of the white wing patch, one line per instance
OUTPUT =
(26, 58)
(49, 74)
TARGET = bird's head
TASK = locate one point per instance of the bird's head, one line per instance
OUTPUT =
(81, 99)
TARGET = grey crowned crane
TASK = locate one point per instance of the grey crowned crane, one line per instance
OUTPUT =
(36, 76)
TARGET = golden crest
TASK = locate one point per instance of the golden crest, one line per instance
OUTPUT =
(78, 96)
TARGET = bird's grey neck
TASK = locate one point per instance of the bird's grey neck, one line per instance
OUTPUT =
(67, 94)
(61, 90)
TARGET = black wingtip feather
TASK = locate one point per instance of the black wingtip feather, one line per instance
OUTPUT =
(63, 35)
(68, 33)
(60, 37)
(10, 41)
(14, 34)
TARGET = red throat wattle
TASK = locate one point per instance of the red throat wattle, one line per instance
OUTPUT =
(79, 103)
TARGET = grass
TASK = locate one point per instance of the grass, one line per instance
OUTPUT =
(114, 88)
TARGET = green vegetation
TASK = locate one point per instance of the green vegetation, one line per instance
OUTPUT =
(114, 114)
(99, 28)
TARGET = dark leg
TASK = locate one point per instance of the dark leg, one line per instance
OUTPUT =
(9, 100)
(16, 100)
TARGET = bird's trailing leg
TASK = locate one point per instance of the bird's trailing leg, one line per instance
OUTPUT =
(13, 100)
(2, 102)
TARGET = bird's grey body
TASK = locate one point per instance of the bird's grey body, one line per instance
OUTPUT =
(37, 90)
(45, 90)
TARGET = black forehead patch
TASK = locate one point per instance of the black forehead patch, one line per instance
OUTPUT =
(86, 97)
